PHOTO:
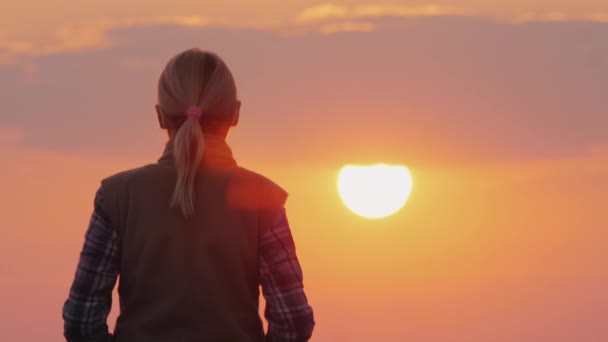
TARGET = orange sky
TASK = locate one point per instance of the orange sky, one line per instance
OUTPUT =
(501, 124)
(35, 27)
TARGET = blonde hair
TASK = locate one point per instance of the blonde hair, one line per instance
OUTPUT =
(199, 79)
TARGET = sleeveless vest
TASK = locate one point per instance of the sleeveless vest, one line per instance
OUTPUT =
(190, 279)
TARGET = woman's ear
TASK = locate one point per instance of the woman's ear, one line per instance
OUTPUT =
(161, 117)
(237, 113)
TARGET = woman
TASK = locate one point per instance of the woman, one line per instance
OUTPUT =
(192, 236)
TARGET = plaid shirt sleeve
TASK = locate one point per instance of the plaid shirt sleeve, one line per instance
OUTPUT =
(290, 317)
(86, 310)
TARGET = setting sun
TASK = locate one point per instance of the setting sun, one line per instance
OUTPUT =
(374, 191)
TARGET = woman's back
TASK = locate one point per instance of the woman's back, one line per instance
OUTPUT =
(193, 277)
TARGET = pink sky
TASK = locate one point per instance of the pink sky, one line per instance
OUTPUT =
(503, 126)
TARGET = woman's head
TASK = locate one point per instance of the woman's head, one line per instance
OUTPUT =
(195, 82)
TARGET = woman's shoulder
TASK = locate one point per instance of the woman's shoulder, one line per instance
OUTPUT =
(249, 188)
(254, 176)
(124, 177)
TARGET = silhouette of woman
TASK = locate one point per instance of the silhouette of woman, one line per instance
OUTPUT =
(192, 236)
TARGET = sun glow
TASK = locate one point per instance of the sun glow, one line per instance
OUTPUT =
(374, 191)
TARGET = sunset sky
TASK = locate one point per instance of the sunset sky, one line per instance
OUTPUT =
(499, 109)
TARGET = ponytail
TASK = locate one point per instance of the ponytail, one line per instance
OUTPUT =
(203, 81)
(188, 147)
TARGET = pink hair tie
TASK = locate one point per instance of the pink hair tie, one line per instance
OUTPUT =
(194, 112)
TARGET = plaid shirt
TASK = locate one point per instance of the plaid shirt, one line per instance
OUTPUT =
(289, 316)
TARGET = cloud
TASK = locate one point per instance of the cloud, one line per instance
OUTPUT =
(404, 11)
(424, 89)
(188, 21)
(64, 39)
(556, 16)
(91, 36)
(330, 11)
(326, 18)
(541, 17)
(600, 17)
(347, 26)
(322, 12)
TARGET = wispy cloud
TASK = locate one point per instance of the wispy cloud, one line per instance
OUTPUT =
(66, 38)
(556, 16)
(541, 17)
(189, 21)
(347, 26)
(331, 11)
(600, 17)
(404, 11)
(322, 12)
(326, 18)
(90, 36)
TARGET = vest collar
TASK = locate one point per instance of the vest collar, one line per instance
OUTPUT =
(217, 153)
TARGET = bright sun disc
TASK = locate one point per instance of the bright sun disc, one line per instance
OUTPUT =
(374, 191)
